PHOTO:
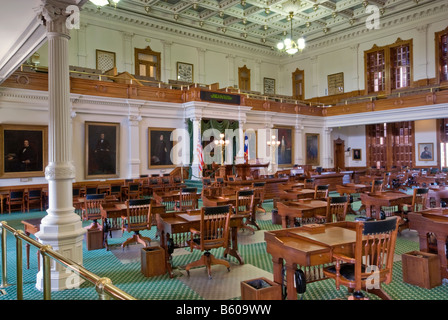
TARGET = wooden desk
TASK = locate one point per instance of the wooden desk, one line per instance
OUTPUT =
(374, 201)
(304, 210)
(175, 229)
(434, 221)
(297, 247)
(31, 226)
(169, 198)
(271, 190)
(332, 179)
(296, 194)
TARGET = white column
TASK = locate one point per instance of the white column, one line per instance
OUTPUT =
(61, 228)
(128, 52)
(197, 138)
(134, 162)
(327, 149)
(240, 146)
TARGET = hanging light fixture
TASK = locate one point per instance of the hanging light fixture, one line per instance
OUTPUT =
(290, 46)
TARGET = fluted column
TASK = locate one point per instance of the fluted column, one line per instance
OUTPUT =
(298, 144)
(133, 146)
(61, 228)
(197, 139)
(327, 149)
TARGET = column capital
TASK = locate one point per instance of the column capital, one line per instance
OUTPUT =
(53, 14)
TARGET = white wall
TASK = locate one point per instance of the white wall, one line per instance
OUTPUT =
(425, 132)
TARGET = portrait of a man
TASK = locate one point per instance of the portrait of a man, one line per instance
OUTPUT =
(160, 146)
(285, 135)
(102, 149)
(24, 150)
(426, 152)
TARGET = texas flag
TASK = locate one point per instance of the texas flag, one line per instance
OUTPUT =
(246, 148)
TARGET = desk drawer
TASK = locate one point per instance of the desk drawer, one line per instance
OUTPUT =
(320, 258)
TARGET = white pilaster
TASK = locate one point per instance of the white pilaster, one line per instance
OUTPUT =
(298, 143)
(133, 147)
(167, 75)
(61, 228)
(128, 52)
(327, 149)
(82, 51)
(231, 65)
(201, 66)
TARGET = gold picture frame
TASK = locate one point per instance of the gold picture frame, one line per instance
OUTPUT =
(312, 149)
(102, 150)
(426, 151)
(268, 86)
(185, 72)
(24, 150)
(356, 155)
(159, 148)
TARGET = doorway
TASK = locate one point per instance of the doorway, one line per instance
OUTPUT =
(339, 154)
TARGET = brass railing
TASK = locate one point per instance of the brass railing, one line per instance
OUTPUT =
(103, 286)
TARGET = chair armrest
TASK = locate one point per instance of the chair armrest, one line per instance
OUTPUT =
(194, 231)
(344, 258)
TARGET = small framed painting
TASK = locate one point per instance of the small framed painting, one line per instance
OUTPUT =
(102, 149)
(269, 86)
(184, 72)
(356, 156)
(24, 150)
(426, 151)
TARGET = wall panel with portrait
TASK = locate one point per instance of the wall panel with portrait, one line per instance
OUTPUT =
(312, 149)
(102, 149)
(24, 150)
(160, 146)
(426, 151)
(285, 152)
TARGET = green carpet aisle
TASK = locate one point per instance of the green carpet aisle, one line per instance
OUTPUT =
(123, 268)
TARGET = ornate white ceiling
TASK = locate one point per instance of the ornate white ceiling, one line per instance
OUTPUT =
(263, 22)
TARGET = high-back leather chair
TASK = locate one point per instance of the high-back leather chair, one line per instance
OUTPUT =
(308, 183)
(377, 186)
(133, 191)
(213, 233)
(138, 218)
(188, 199)
(34, 197)
(370, 261)
(259, 191)
(337, 208)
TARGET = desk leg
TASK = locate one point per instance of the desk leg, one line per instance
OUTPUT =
(290, 271)
(232, 248)
(164, 244)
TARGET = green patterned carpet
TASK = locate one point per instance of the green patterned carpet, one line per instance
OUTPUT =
(126, 274)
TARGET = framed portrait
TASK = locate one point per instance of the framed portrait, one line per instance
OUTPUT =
(335, 83)
(356, 155)
(160, 146)
(105, 60)
(268, 86)
(426, 151)
(312, 149)
(184, 72)
(24, 150)
(285, 153)
(102, 149)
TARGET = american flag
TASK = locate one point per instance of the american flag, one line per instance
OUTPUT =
(200, 157)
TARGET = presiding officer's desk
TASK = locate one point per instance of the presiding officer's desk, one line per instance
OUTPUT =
(308, 250)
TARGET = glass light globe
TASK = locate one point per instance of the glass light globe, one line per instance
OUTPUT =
(292, 50)
(280, 46)
(301, 43)
(287, 42)
(100, 3)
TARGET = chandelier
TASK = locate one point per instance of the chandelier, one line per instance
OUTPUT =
(102, 3)
(290, 46)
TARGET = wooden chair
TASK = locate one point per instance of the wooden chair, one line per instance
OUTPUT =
(259, 191)
(117, 191)
(245, 206)
(321, 192)
(187, 199)
(138, 218)
(91, 190)
(308, 183)
(231, 178)
(219, 182)
(16, 198)
(92, 209)
(336, 209)
(133, 191)
(371, 261)
(76, 194)
(377, 186)
(34, 197)
(419, 202)
(213, 233)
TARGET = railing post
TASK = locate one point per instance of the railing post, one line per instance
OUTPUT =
(46, 271)
(4, 271)
(100, 288)
(19, 265)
